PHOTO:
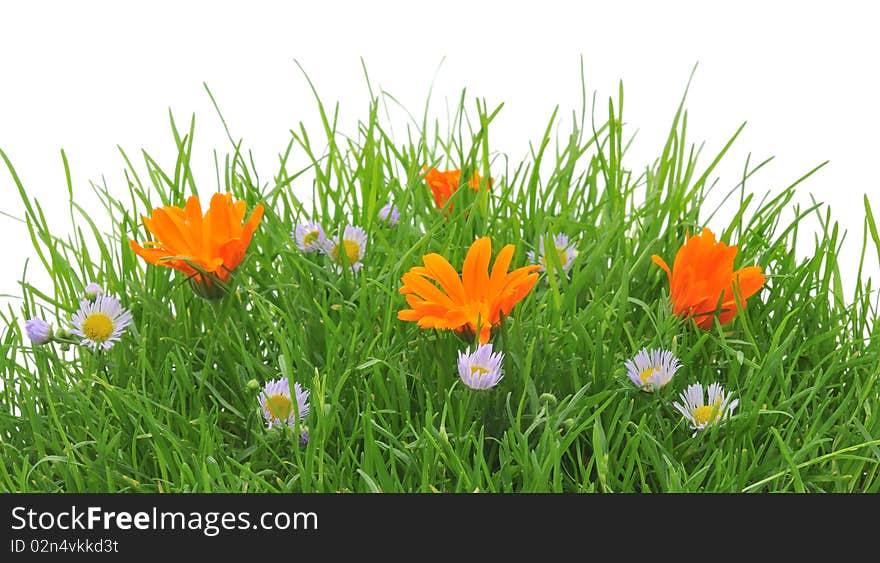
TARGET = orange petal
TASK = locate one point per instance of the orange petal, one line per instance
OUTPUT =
(438, 316)
(517, 292)
(426, 290)
(475, 271)
(212, 265)
(160, 257)
(233, 251)
(148, 223)
(662, 263)
(408, 315)
(705, 321)
(455, 318)
(717, 270)
(171, 233)
(485, 332)
(524, 287)
(442, 271)
(216, 224)
(499, 269)
(750, 280)
(514, 278)
(193, 213)
(236, 215)
(151, 255)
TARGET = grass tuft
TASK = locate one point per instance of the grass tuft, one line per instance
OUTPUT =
(170, 408)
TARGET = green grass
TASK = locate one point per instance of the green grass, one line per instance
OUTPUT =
(170, 409)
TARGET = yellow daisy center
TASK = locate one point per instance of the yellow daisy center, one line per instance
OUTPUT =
(560, 253)
(707, 414)
(478, 371)
(647, 373)
(98, 327)
(563, 257)
(352, 252)
(310, 237)
(279, 406)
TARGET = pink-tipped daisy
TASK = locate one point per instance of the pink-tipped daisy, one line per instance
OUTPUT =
(101, 322)
(652, 369)
(277, 405)
(480, 369)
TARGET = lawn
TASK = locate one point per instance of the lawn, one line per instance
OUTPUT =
(196, 395)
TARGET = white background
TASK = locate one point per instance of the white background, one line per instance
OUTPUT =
(88, 76)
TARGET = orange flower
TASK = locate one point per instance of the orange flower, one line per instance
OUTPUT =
(443, 184)
(702, 276)
(472, 303)
(201, 247)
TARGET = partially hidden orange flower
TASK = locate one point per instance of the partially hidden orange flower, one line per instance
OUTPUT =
(702, 282)
(204, 248)
(444, 183)
(469, 304)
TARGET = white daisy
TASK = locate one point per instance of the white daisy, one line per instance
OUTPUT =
(652, 369)
(349, 251)
(565, 251)
(277, 405)
(309, 237)
(480, 369)
(101, 322)
(701, 413)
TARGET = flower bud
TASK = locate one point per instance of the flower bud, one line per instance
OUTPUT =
(38, 331)
(92, 291)
(548, 399)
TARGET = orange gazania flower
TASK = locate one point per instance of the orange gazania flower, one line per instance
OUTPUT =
(702, 280)
(471, 303)
(444, 183)
(205, 248)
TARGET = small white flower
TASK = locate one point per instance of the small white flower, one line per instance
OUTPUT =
(652, 369)
(101, 322)
(277, 405)
(480, 369)
(349, 250)
(701, 413)
(565, 251)
(309, 237)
